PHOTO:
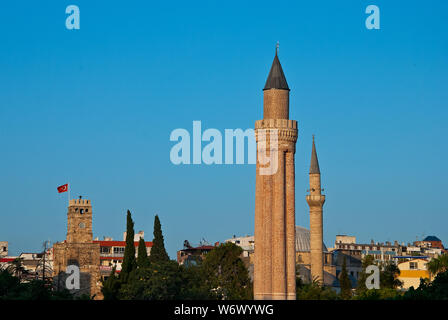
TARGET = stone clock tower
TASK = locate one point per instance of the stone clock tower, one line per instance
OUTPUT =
(79, 250)
(79, 221)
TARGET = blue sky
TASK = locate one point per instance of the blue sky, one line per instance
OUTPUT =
(95, 107)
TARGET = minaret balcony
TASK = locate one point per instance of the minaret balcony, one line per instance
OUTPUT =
(315, 200)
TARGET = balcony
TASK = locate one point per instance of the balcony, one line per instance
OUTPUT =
(112, 255)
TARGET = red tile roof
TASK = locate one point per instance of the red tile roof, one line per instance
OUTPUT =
(104, 243)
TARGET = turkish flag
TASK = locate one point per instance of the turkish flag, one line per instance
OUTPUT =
(63, 188)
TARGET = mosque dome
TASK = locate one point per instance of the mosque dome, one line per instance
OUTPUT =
(303, 240)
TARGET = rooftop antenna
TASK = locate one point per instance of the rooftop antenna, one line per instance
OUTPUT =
(203, 242)
(276, 47)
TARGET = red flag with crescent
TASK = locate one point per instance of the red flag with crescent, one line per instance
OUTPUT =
(63, 188)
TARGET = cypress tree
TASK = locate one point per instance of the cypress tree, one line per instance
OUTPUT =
(129, 262)
(142, 255)
(367, 261)
(158, 252)
(111, 286)
(344, 282)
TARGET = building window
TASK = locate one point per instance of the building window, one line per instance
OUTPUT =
(119, 250)
(105, 249)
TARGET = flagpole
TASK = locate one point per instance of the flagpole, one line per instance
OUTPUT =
(68, 185)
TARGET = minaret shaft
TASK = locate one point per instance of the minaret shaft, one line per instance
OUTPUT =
(290, 227)
(316, 201)
(276, 135)
(276, 104)
(278, 230)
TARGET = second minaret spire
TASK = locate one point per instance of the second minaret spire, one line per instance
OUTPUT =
(316, 201)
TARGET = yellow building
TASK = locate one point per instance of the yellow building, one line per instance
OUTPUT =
(412, 271)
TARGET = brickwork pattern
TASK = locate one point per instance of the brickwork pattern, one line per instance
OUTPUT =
(274, 260)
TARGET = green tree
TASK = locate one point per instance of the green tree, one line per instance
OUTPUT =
(129, 262)
(435, 290)
(314, 291)
(344, 282)
(111, 286)
(158, 252)
(366, 261)
(439, 264)
(12, 289)
(389, 276)
(142, 255)
(159, 281)
(193, 283)
(17, 269)
(379, 294)
(226, 276)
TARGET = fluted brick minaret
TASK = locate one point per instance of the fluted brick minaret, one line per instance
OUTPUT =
(274, 265)
(316, 201)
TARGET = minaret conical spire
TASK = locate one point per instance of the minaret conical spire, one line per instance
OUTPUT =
(276, 78)
(314, 167)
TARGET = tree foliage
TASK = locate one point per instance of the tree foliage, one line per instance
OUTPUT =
(111, 286)
(366, 261)
(226, 276)
(193, 280)
(389, 276)
(129, 262)
(435, 290)
(344, 282)
(142, 255)
(158, 252)
(378, 294)
(222, 274)
(439, 264)
(12, 289)
(314, 291)
(155, 277)
(158, 281)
